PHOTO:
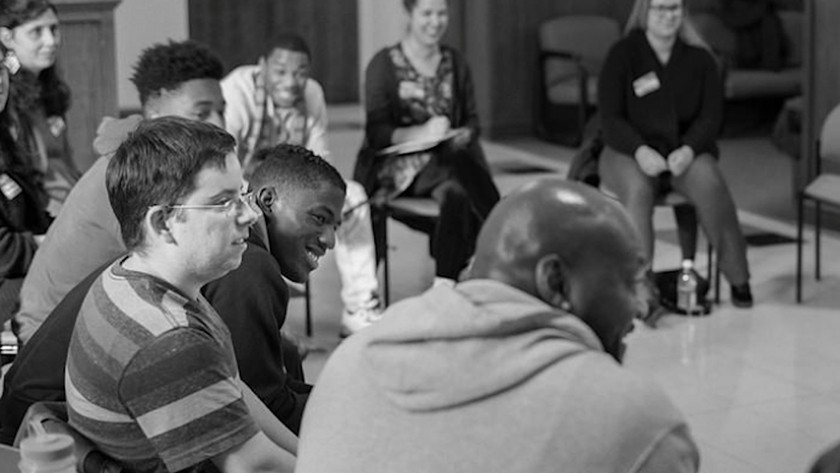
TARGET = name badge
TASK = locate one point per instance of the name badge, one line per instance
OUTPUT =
(9, 187)
(646, 84)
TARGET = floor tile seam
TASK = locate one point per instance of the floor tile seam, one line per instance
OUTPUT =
(721, 451)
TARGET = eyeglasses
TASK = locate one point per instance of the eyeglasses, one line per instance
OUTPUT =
(664, 9)
(229, 207)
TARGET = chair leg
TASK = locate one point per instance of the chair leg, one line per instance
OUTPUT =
(581, 123)
(717, 283)
(799, 243)
(686, 217)
(386, 264)
(709, 261)
(308, 303)
(818, 228)
(713, 271)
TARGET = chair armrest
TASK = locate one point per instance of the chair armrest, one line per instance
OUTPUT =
(575, 59)
(557, 54)
(580, 72)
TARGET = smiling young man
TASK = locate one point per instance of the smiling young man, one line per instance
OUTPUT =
(151, 375)
(300, 196)
(276, 102)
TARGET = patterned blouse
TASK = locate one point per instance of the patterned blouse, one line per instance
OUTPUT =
(421, 98)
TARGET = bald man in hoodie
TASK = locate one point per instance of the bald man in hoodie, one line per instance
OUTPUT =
(515, 369)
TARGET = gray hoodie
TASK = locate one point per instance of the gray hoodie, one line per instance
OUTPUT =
(484, 378)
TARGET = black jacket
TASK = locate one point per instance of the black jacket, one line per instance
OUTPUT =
(686, 109)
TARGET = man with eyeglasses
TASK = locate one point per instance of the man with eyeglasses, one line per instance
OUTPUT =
(151, 376)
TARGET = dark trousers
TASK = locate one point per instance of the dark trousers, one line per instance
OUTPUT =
(460, 182)
(703, 185)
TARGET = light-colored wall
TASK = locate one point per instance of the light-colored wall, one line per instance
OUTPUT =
(381, 23)
(139, 24)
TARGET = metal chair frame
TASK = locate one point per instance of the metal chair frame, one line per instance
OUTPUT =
(823, 189)
(416, 207)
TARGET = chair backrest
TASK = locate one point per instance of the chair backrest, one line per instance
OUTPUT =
(719, 36)
(587, 35)
(830, 136)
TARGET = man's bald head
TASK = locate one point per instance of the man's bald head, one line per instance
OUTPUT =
(570, 246)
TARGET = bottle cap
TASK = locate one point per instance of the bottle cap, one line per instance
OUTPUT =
(47, 451)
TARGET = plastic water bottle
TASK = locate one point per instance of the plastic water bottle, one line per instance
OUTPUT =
(687, 289)
(47, 453)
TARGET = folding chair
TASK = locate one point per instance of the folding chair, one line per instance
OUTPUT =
(822, 189)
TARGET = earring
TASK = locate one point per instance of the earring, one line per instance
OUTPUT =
(11, 62)
(566, 306)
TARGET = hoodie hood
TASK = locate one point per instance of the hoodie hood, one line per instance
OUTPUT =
(112, 132)
(452, 346)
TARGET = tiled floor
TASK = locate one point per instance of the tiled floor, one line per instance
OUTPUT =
(760, 387)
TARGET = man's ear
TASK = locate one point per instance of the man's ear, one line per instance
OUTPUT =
(156, 223)
(266, 197)
(551, 282)
(155, 102)
(6, 36)
(150, 108)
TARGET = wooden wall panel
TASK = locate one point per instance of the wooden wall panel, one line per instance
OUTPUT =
(88, 64)
(501, 46)
(240, 31)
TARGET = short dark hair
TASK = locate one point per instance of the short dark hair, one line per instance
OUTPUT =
(290, 167)
(289, 42)
(167, 66)
(157, 165)
(14, 13)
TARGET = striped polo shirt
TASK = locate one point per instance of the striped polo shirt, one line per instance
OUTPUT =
(151, 375)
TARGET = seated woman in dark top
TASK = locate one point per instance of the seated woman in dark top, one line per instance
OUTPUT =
(421, 91)
(23, 217)
(30, 38)
(661, 102)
